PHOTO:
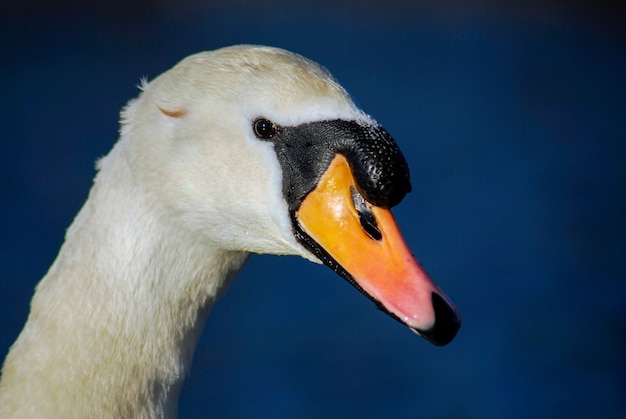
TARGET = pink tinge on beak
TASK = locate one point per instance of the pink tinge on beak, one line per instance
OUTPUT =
(392, 276)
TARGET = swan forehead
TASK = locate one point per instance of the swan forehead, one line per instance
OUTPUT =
(272, 82)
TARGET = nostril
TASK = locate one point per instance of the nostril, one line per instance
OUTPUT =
(447, 322)
(366, 218)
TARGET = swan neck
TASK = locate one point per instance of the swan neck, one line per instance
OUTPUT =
(114, 323)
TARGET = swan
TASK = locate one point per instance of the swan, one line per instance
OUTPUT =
(245, 149)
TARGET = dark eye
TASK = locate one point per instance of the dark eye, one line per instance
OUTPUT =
(264, 128)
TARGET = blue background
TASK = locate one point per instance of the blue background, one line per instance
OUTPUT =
(513, 120)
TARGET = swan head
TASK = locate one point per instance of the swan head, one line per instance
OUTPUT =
(260, 150)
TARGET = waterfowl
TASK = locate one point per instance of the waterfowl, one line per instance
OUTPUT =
(241, 150)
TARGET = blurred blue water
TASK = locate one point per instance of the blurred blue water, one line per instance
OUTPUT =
(515, 132)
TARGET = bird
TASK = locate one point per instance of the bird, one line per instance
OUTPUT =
(240, 150)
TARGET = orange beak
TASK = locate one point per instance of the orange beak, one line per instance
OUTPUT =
(363, 243)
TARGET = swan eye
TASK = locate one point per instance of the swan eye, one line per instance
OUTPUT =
(264, 128)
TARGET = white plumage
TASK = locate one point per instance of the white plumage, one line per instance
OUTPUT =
(176, 206)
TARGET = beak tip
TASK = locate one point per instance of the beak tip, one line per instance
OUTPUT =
(447, 322)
